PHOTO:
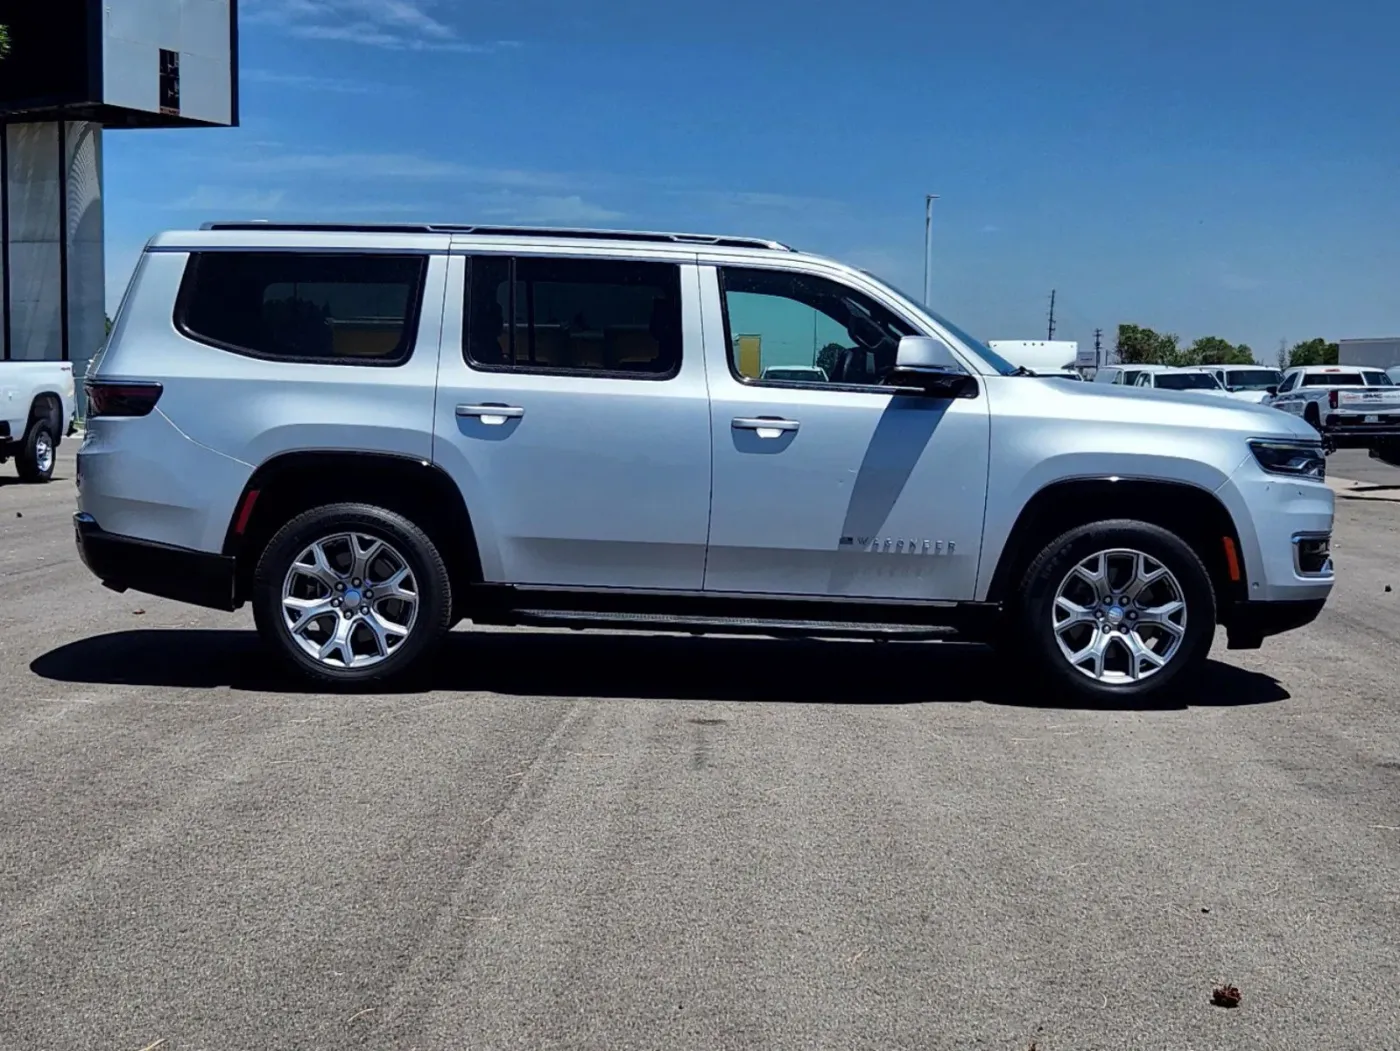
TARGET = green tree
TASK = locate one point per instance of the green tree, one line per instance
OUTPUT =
(1212, 350)
(1142, 346)
(109, 324)
(1313, 352)
(828, 356)
(4, 41)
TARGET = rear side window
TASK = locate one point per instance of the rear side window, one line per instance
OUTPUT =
(574, 316)
(343, 309)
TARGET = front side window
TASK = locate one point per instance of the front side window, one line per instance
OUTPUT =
(1289, 383)
(343, 309)
(574, 316)
(789, 328)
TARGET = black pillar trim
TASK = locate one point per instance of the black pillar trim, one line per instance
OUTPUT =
(63, 238)
(5, 233)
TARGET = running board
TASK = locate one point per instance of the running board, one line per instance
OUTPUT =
(708, 625)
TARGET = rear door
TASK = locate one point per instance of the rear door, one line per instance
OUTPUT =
(573, 413)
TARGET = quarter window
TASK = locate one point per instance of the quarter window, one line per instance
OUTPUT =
(341, 309)
(787, 328)
(579, 316)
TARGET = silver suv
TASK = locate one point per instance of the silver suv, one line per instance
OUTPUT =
(372, 433)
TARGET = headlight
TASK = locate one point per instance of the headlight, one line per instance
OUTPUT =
(1299, 459)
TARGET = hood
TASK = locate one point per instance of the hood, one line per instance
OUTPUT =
(1145, 406)
(1254, 397)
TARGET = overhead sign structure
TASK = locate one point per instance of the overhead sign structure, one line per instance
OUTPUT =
(122, 63)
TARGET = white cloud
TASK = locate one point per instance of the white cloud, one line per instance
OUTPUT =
(308, 83)
(224, 199)
(370, 166)
(399, 25)
(553, 209)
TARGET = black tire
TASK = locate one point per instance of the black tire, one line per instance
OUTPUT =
(1387, 452)
(1034, 615)
(434, 590)
(1312, 416)
(31, 462)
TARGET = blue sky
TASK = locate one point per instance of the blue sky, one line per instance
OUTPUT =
(1225, 168)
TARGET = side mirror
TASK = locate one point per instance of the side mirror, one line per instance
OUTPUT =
(1271, 390)
(927, 364)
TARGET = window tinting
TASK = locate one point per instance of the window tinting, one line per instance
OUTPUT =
(346, 309)
(784, 321)
(574, 315)
(1187, 381)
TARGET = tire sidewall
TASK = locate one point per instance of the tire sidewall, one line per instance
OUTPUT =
(435, 597)
(1056, 561)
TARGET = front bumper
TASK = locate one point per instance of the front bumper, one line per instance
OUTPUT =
(123, 563)
(1247, 624)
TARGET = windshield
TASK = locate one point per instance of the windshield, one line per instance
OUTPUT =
(1186, 381)
(1252, 379)
(986, 353)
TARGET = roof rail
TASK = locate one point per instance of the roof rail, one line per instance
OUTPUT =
(506, 231)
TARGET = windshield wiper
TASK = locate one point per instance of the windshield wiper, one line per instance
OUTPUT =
(1021, 370)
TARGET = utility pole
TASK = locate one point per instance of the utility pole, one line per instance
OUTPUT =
(1051, 334)
(929, 198)
(1098, 344)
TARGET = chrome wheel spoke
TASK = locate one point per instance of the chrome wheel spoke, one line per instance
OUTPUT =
(1074, 613)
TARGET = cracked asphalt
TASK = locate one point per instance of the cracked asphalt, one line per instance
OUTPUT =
(631, 842)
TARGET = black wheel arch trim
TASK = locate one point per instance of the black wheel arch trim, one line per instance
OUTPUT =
(1048, 505)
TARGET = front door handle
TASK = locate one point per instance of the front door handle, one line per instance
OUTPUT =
(491, 415)
(766, 426)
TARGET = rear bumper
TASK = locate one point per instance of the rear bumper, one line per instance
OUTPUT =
(1247, 624)
(123, 563)
(1351, 432)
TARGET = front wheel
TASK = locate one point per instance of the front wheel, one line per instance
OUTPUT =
(1118, 611)
(351, 593)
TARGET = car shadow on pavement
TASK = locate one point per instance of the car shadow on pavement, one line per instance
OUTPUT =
(621, 665)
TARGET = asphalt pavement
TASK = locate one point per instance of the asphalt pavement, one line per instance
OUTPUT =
(631, 842)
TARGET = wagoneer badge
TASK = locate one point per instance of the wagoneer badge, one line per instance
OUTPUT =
(891, 546)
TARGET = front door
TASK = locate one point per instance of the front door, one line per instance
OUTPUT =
(572, 412)
(824, 482)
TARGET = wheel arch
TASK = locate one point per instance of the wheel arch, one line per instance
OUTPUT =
(290, 483)
(1191, 512)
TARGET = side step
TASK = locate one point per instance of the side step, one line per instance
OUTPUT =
(693, 624)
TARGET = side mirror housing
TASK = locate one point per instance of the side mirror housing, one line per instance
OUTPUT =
(1271, 391)
(926, 364)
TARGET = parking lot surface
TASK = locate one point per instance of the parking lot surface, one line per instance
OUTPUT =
(620, 841)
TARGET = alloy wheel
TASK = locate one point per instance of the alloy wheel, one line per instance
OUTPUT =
(350, 600)
(1119, 616)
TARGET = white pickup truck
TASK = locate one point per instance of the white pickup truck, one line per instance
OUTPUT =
(36, 411)
(1350, 406)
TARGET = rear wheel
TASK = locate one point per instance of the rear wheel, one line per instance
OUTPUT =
(352, 593)
(1313, 416)
(1118, 611)
(37, 452)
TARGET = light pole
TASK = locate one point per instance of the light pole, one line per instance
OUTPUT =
(929, 198)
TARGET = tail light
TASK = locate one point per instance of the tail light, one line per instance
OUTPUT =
(1332, 398)
(121, 399)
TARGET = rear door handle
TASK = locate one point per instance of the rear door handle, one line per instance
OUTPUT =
(766, 426)
(491, 415)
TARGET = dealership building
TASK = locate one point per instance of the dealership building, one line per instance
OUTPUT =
(1380, 353)
(77, 69)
